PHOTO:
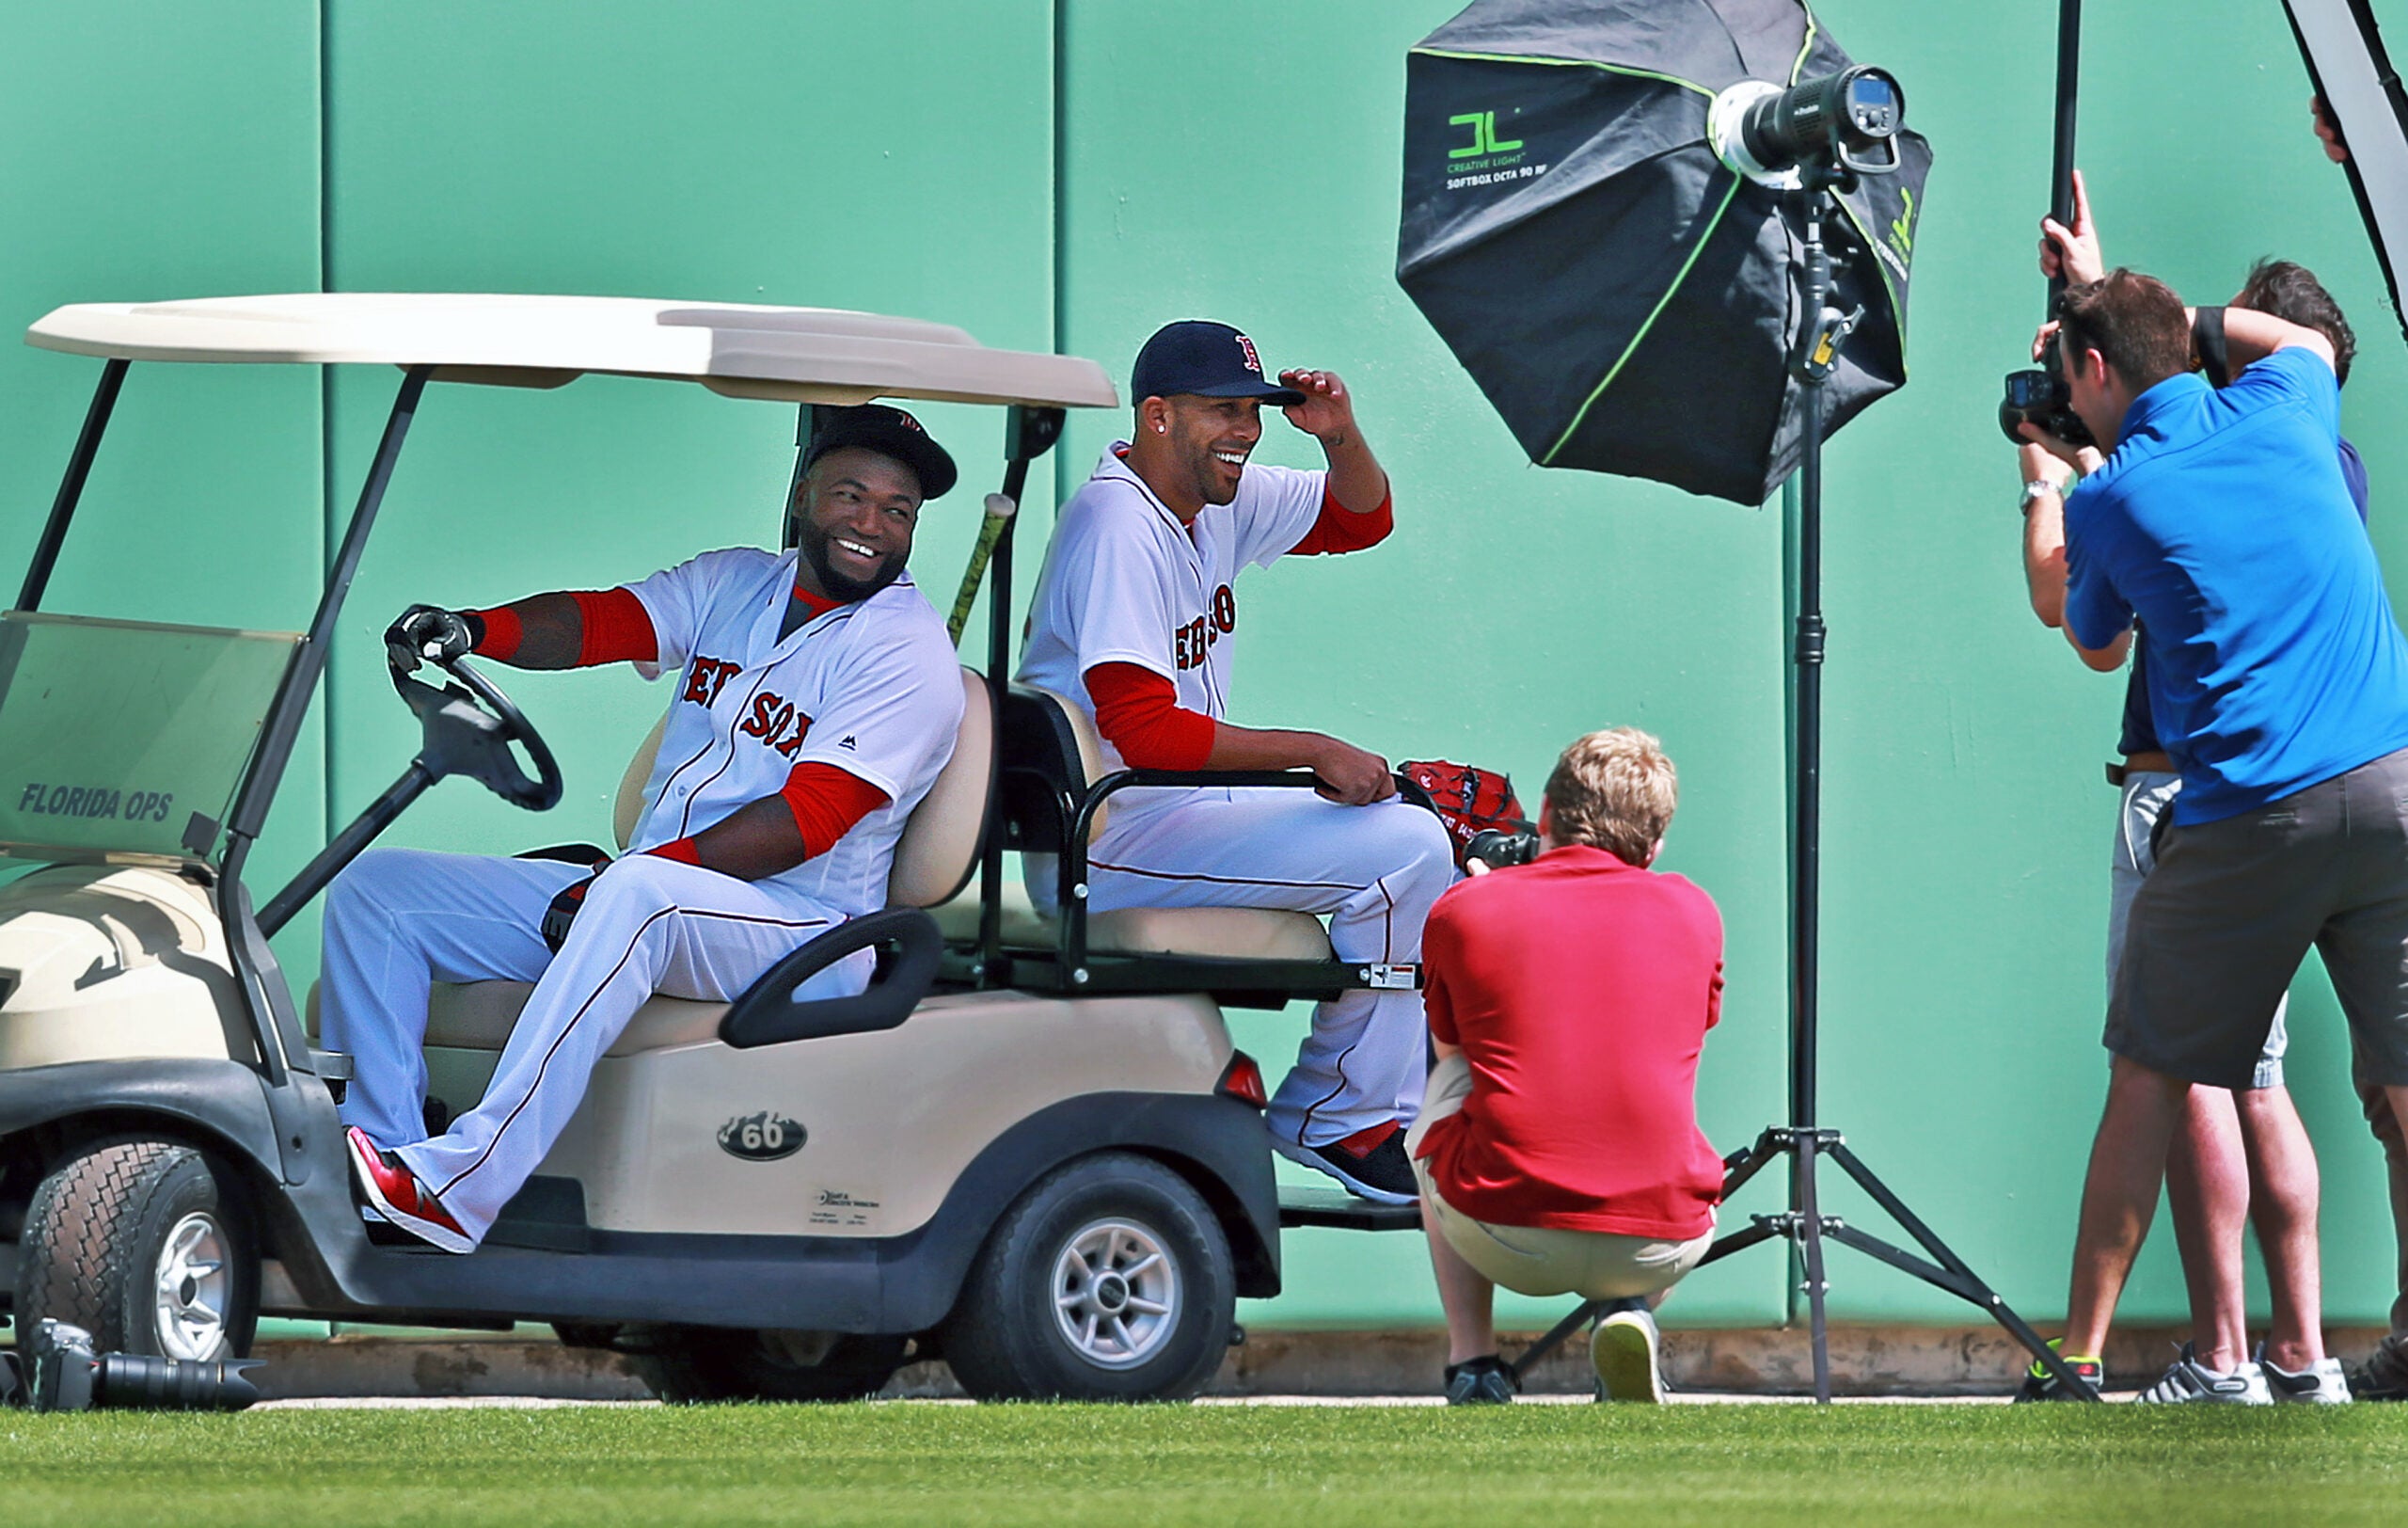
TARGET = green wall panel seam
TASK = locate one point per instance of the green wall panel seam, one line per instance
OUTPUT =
(326, 495)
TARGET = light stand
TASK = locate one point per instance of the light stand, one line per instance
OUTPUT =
(1804, 1141)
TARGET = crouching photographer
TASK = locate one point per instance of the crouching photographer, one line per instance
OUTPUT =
(1558, 1149)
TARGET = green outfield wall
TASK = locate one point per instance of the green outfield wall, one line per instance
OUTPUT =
(1067, 175)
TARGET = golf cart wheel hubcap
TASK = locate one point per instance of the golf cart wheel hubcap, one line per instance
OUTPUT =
(193, 1289)
(1115, 1293)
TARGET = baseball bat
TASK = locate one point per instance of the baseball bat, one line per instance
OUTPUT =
(991, 530)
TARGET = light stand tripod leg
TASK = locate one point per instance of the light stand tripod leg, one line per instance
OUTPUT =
(1968, 1285)
(1808, 1229)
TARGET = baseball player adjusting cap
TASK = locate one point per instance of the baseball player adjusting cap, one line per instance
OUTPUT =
(1210, 360)
(890, 432)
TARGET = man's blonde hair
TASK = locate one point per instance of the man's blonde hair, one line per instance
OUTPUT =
(1614, 789)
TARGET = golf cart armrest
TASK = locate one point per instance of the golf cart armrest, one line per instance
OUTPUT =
(1073, 896)
(910, 947)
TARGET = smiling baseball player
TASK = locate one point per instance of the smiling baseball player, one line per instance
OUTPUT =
(817, 700)
(1135, 621)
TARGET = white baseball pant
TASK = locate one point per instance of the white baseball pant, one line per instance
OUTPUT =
(1373, 869)
(400, 919)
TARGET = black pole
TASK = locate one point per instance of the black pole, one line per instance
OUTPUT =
(1806, 896)
(2068, 97)
(1807, 654)
(71, 489)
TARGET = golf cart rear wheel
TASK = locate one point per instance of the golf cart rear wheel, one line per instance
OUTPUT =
(1108, 1281)
(686, 1365)
(146, 1244)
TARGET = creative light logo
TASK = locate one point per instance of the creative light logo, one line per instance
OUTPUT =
(1484, 140)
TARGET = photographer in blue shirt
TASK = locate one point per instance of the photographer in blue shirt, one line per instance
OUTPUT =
(2278, 682)
(2240, 1157)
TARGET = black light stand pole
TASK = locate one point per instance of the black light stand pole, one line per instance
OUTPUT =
(1803, 1140)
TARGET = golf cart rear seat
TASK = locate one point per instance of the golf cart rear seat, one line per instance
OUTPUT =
(1055, 795)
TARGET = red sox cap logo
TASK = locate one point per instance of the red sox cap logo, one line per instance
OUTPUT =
(1253, 361)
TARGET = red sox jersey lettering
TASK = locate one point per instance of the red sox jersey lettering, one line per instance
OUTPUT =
(705, 678)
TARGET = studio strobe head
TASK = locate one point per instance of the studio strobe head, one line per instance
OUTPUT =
(1845, 122)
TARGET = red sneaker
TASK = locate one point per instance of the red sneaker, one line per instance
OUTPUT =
(400, 1198)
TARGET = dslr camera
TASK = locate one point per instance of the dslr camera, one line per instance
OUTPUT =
(68, 1375)
(2039, 395)
(1493, 848)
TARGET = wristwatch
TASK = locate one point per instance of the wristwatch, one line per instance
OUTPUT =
(2033, 489)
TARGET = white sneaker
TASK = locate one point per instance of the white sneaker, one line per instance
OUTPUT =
(2318, 1384)
(2187, 1382)
(1626, 1350)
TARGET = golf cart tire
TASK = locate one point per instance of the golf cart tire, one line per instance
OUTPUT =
(1006, 1340)
(700, 1365)
(97, 1228)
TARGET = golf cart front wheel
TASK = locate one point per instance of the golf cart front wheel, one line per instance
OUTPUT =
(1110, 1280)
(147, 1246)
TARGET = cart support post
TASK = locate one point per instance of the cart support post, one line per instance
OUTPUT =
(71, 489)
(281, 1041)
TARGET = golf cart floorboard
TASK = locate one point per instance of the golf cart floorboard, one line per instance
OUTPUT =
(1341, 1209)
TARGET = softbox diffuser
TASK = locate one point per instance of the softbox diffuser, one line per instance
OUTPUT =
(1624, 300)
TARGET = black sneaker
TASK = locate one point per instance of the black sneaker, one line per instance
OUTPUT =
(1481, 1381)
(2384, 1376)
(1371, 1163)
(2040, 1385)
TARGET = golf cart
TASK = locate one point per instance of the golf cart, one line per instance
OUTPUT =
(1029, 1147)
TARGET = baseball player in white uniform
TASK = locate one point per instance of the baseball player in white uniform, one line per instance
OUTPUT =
(818, 698)
(1135, 621)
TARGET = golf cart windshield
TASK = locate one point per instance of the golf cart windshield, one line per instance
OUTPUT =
(125, 738)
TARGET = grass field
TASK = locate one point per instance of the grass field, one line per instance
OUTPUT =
(1221, 1466)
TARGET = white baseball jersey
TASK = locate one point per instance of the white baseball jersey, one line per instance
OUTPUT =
(1126, 583)
(871, 688)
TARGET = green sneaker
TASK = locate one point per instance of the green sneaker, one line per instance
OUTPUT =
(2040, 1385)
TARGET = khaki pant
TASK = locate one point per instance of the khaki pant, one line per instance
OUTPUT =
(1541, 1260)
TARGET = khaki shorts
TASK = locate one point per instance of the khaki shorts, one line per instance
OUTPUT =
(1541, 1260)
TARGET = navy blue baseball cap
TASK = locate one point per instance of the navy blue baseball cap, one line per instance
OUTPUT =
(890, 432)
(1209, 360)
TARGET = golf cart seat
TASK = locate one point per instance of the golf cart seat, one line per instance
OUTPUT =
(934, 858)
(1054, 793)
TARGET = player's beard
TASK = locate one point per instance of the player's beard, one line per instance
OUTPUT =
(842, 587)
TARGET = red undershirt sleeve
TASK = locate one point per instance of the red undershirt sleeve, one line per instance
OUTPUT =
(1336, 530)
(826, 802)
(503, 633)
(616, 628)
(1138, 712)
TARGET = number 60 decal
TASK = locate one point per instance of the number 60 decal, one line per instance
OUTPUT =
(766, 1137)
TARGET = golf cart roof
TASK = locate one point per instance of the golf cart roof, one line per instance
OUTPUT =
(790, 355)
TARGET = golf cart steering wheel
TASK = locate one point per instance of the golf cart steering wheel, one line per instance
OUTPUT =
(469, 726)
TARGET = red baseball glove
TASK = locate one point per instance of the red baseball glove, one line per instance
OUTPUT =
(1471, 800)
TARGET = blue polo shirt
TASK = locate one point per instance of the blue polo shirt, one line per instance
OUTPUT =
(2139, 734)
(2224, 523)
